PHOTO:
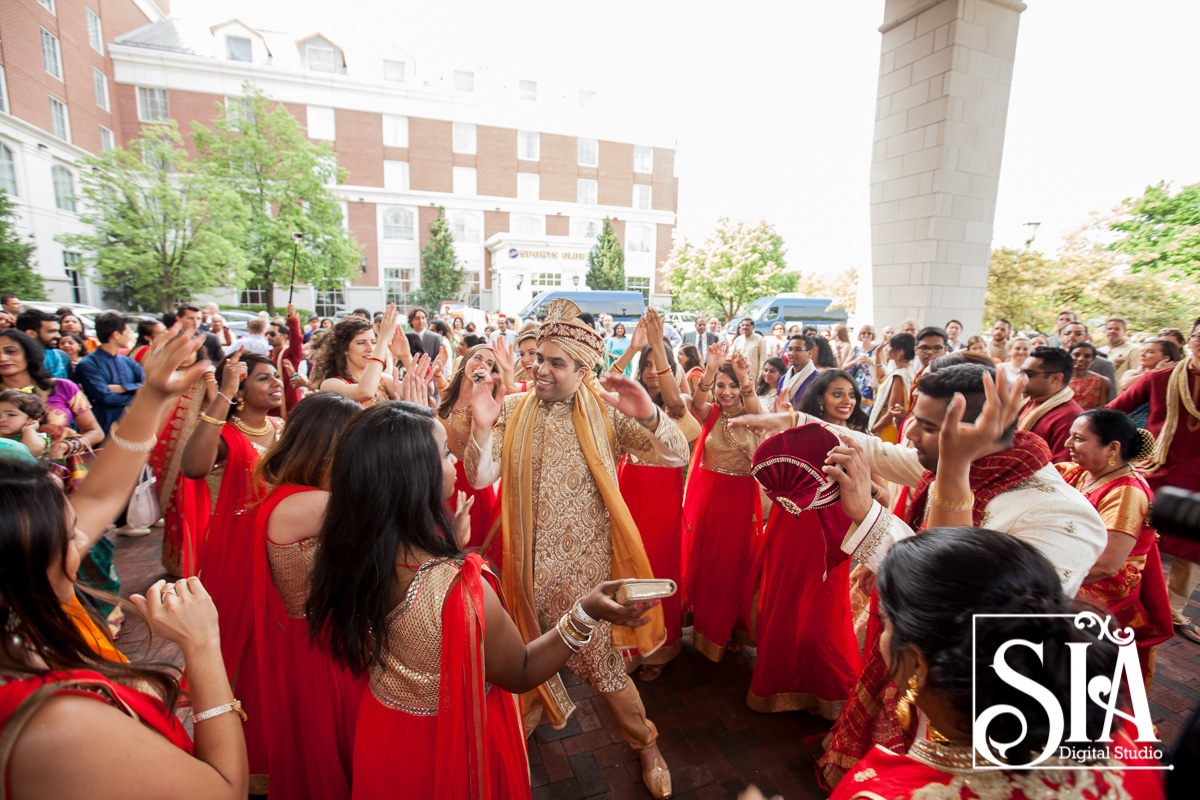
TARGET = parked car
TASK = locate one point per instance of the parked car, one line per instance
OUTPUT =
(790, 309)
(624, 307)
(86, 314)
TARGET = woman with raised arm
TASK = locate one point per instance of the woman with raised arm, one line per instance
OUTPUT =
(309, 702)
(722, 512)
(454, 412)
(394, 599)
(891, 400)
(62, 689)
(1127, 580)
(353, 362)
(224, 450)
(654, 494)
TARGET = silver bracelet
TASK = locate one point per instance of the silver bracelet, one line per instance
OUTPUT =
(224, 397)
(132, 447)
(236, 705)
(583, 616)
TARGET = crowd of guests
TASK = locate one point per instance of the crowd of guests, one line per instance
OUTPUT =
(385, 542)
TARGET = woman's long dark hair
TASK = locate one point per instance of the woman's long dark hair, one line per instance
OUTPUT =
(35, 532)
(35, 358)
(376, 511)
(824, 357)
(302, 454)
(251, 360)
(642, 360)
(761, 386)
(330, 359)
(450, 394)
(811, 403)
(931, 586)
(692, 354)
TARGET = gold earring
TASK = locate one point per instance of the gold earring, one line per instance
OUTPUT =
(907, 700)
(1112, 459)
(240, 404)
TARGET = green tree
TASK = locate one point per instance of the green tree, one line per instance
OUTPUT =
(738, 263)
(441, 274)
(161, 228)
(1161, 231)
(285, 182)
(1018, 289)
(606, 261)
(17, 273)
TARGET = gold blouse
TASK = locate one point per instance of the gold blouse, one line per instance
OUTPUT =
(729, 450)
(291, 564)
(458, 430)
(408, 675)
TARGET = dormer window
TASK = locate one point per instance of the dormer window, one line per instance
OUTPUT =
(320, 59)
(239, 48)
(394, 70)
(527, 90)
(464, 81)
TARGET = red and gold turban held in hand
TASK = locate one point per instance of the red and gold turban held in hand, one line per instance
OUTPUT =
(577, 338)
(788, 466)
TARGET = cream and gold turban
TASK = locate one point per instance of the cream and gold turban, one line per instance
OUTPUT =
(578, 339)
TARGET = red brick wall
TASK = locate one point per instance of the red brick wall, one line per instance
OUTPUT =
(496, 164)
(616, 174)
(362, 225)
(431, 160)
(558, 225)
(558, 169)
(359, 147)
(493, 222)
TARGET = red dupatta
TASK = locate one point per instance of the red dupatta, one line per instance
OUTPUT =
(869, 716)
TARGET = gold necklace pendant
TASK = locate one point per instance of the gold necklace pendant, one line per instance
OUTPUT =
(246, 429)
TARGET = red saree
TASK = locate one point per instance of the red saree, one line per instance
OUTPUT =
(226, 569)
(186, 504)
(722, 523)
(474, 745)
(807, 652)
(655, 499)
(486, 537)
(310, 704)
(869, 716)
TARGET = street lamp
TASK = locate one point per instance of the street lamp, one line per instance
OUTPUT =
(1031, 228)
(575, 278)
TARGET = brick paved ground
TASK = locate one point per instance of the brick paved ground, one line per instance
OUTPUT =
(713, 742)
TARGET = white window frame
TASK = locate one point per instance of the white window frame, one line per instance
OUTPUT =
(588, 147)
(634, 244)
(643, 197)
(325, 126)
(148, 95)
(580, 224)
(464, 181)
(56, 105)
(112, 139)
(100, 85)
(638, 283)
(8, 171)
(396, 176)
(399, 285)
(239, 111)
(309, 49)
(529, 146)
(462, 138)
(383, 69)
(51, 56)
(3, 91)
(464, 80)
(545, 280)
(537, 229)
(402, 229)
(466, 234)
(529, 186)
(587, 191)
(48, 5)
(527, 89)
(63, 201)
(643, 156)
(395, 131)
(229, 49)
(73, 267)
(331, 300)
(95, 32)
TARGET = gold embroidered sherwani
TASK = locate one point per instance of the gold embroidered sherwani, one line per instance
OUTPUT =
(572, 547)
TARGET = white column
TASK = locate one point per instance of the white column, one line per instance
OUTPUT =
(945, 70)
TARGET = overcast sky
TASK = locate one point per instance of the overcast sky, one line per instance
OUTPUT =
(772, 103)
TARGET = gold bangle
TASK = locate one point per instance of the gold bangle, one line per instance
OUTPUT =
(936, 501)
(206, 418)
(704, 388)
(663, 371)
(132, 447)
(235, 705)
(795, 417)
(378, 361)
(749, 390)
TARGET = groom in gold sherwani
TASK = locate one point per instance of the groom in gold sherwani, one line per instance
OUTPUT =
(566, 527)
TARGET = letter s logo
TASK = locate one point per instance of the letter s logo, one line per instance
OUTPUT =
(1046, 698)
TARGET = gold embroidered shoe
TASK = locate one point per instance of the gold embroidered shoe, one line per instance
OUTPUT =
(658, 780)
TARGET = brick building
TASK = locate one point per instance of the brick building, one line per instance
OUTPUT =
(527, 169)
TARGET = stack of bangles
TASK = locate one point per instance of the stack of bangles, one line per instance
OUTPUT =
(663, 371)
(936, 500)
(75, 446)
(572, 623)
(704, 387)
(378, 361)
(747, 390)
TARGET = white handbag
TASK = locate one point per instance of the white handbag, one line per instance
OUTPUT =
(143, 509)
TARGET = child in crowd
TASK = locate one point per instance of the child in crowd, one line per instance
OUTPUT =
(20, 415)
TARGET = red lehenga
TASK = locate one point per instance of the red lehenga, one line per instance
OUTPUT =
(807, 652)
(722, 523)
(309, 702)
(430, 727)
(654, 496)
(1137, 594)
(226, 567)
(186, 504)
(486, 536)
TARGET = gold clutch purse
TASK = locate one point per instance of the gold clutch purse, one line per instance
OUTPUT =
(641, 590)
